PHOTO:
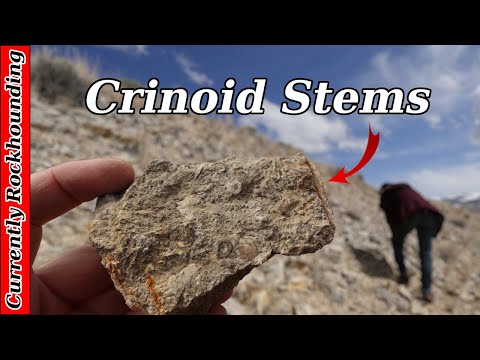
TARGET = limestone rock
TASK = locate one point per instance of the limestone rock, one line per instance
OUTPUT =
(182, 235)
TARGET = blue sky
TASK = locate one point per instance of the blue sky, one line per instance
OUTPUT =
(438, 153)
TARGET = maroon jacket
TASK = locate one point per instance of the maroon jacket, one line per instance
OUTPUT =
(400, 202)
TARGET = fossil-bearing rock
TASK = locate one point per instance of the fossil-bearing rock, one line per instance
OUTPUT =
(182, 235)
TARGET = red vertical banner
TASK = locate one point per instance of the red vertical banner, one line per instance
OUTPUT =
(15, 179)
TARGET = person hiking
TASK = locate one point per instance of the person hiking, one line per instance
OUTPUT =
(405, 210)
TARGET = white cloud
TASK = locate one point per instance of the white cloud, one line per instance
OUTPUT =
(382, 155)
(130, 49)
(476, 132)
(451, 72)
(447, 181)
(309, 132)
(378, 124)
(433, 119)
(189, 68)
(472, 155)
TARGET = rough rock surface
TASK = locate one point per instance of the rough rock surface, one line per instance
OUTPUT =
(182, 235)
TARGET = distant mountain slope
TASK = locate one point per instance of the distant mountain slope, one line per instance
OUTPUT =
(470, 201)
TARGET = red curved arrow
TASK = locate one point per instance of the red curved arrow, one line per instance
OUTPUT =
(372, 145)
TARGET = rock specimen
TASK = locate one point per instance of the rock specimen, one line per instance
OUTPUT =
(182, 235)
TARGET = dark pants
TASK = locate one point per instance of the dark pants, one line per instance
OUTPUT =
(424, 222)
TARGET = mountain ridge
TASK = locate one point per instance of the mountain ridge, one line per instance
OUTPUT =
(470, 201)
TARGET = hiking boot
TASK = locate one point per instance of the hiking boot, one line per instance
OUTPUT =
(427, 296)
(403, 279)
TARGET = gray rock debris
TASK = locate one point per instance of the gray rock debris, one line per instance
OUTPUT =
(182, 235)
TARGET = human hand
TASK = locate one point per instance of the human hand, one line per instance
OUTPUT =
(76, 282)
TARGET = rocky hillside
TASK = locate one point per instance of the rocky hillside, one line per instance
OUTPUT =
(355, 274)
